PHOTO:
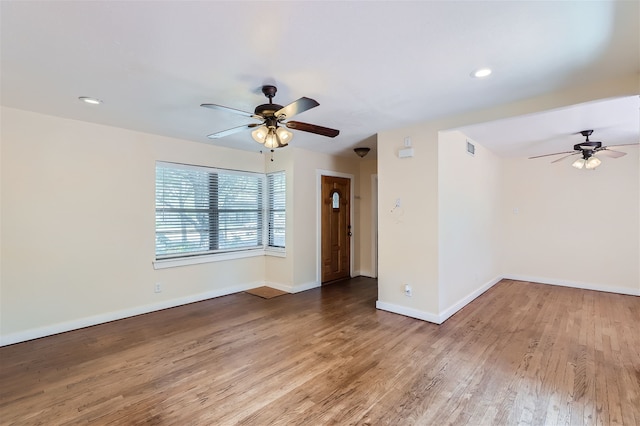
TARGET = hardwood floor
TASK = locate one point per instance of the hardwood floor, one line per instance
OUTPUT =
(519, 354)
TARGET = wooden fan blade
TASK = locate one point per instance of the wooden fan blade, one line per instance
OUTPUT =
(296, 107)
(555, 153)
(233, 110)
(233, 130)
(312, 128)
(611, 153)
(565, 156)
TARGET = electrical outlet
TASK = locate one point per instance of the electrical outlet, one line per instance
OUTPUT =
(158, 288)
(407, 290)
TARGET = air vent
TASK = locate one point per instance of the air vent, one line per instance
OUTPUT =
(471, 148)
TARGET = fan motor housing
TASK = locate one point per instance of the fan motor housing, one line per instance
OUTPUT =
(590, 146)
(267, 110)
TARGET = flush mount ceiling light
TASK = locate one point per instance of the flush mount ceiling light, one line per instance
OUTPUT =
(89, 100)
(481, 73)
(361, 151)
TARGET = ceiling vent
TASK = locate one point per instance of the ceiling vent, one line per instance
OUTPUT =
(471, 148)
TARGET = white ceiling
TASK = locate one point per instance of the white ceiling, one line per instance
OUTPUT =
(372, 66)
(613, 121)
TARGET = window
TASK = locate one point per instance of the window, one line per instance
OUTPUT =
(276, 200)
(203, 211)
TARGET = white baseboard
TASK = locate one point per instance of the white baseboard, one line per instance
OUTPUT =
(442, 316)
(447, 313)
(23, 336)
(364, 274)
(36, 333)
(408, 312)
(574, 284)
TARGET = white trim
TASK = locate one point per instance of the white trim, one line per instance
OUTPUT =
(374, 226)
(408, 312)
(573, 284)
(62, 327)
(450, 311)
(201, 168)
(208, 258)
(447, 313)
(36, 333)
(275, 252)
(319, 174)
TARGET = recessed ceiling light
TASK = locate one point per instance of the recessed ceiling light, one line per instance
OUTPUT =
(92, 101)
(481, 73)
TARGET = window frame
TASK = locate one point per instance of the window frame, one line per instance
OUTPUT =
(189, 258)
(272, 209)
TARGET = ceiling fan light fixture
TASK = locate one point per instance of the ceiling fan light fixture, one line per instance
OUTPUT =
(260, 134)
(271, 141)
(284, 135)
(579, 163)
(592, 163)
(273, 116)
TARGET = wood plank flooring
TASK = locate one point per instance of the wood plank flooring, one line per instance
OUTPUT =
(521, 353)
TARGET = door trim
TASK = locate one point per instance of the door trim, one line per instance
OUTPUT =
(319, 174)
(374, 225)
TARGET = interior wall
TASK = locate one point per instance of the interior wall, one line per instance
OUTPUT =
(279, 268)
(409, 236)
(78, 225)
(364, 226)
(408, 222)
(469, 214)
(574, 227)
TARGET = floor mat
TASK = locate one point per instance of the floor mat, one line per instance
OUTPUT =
(266, 292)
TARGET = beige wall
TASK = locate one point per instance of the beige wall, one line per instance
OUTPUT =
(279, 270)
(410, 236)
(574, 227)
(78, 225)
(366, 228)
(470, 219)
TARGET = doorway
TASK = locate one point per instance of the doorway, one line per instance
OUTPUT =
(336, 229)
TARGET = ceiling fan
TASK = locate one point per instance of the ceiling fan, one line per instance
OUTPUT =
(588, 149)
(270, 131)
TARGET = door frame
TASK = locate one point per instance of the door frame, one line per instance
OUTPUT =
(319, 174)
(374, 225)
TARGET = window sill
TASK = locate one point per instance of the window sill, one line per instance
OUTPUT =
(219, 257)
(275, 252)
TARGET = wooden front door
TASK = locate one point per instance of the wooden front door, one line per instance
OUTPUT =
(336, 228)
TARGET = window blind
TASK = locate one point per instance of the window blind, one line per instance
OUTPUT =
(276, 196)
(202, 210)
